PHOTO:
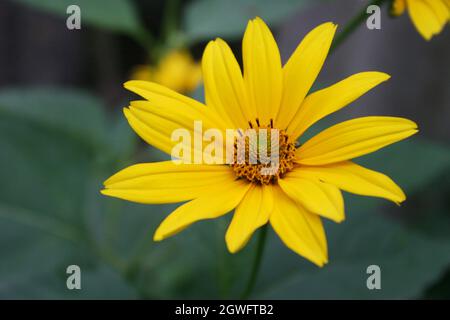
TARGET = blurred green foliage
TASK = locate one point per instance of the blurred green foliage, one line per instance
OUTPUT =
(201, 20)
(58, 145)
(208, 19)
(114, 15)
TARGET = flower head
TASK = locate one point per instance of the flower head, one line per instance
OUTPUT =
(429, 16)
(176, 70)
(304, 187)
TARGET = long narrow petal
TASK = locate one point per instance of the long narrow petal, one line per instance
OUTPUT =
(165, 182)
(262, 71)
(441, 11)
(356, 179)
(213, 203)
(326, 101)
(354, 138)
(427, 21)
(302, 69)
(155, 120)
(252, 213)
(318, 197)
(299, 229)
(224, 84)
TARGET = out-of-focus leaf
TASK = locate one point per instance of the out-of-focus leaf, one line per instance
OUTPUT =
(208, 19)
(67, 111)
(46, 169)
(413, 163)
(116, 15)
(440, 290)
(410, 261)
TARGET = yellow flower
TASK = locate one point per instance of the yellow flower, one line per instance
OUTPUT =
(177, 70)
(307, 184)
(429, 16)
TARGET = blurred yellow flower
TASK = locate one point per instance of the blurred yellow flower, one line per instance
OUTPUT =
(308, 181)
(177, 70)
(429, 16)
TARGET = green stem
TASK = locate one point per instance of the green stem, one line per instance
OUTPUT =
(256, 263)
(353, 24)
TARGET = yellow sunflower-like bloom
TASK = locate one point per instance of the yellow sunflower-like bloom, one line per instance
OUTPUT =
(177, 70)
(307, 184)
(429, 16)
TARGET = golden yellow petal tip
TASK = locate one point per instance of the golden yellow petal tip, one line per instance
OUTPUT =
(157, 236)
(230, 249)
(385, 76)
(322, 263)
(127, 84)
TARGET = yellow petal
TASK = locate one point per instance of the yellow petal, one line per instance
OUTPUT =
(224, 85)
(441, 11)
(427, 21)
(398, 7)
(252, 213)
(155, 120)
(177, 70)
(447, 3)
(318, 197)
(162, 96)
(326, 101)
(215, 202)
(262, 71)
(356, 179)
(302, 69)
(354, 138)
(300, 230)
(165, 182)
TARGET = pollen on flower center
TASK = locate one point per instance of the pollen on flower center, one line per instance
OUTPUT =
(254, 172)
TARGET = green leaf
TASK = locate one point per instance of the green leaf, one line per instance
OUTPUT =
(412, 163)
(409, 263)
(410, 260)
(115, 15)
(51, 142)
(66, 111)
(208, 19)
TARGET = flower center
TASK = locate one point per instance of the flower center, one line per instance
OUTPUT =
(269, 155)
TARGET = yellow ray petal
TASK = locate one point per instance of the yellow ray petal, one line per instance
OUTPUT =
(148, 133)
(326, 101)
(300, 230)
(165, 182)
(447, 3)
(252, 213)
(425, 19)
(302, 69)
(441, 11)
(166, 111)
(216, 201)
(356, 179)
(318, 197)
(162, 96)
(224, 85)
(398, 7)
(170, 104)
(354, 138)
(262, 71)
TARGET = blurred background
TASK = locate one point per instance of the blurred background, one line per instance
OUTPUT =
(62, 133)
